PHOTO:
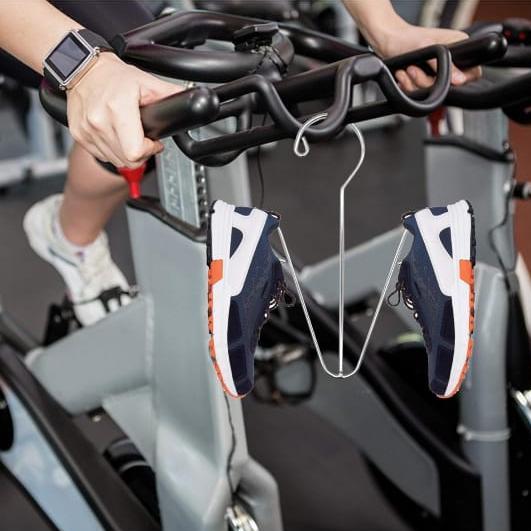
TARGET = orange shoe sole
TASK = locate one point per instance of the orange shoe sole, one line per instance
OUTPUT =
(215, 274)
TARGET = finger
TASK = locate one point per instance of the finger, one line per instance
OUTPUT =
(98, 125)
(458, 77)
(150, 148)
(99, 147)
(84, 139)
(103, 147)
(404, 80)
(472, 74)
(419, 78)
(130, 135)
(109, 138)
(98, 129)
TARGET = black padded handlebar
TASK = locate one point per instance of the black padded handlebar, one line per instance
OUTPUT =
(199, 106)
(257, 81)
(187, 29)
(192, 108)
(164, 47)
(518, 34)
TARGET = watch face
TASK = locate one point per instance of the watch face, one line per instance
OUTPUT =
(67, 56)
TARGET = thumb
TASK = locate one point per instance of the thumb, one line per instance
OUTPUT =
(152, 146)
(458, 77)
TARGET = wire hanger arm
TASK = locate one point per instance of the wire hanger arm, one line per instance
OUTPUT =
(301, 141)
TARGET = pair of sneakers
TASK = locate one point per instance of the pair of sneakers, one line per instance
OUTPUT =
(245, 282)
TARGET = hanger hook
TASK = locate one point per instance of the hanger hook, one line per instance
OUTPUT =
(300, 138)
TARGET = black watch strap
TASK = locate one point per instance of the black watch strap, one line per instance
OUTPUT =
(95, 40)
(51, 80)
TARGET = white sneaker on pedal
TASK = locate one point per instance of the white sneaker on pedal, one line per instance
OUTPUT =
(95, 285)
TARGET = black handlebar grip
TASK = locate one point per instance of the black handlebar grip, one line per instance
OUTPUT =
(54, 102)
(188, 109)
(465, 54)
(478, 50)
(516, 57)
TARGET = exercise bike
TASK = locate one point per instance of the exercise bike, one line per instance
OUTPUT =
(151, 377)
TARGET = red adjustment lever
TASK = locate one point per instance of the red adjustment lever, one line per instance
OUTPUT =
(435, 119)
(134, 177)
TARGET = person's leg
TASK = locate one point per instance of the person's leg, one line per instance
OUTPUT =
(91, 195)
(66, 229)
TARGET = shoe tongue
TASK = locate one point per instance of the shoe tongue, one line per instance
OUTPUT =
(94, 258)
(272, 224)
(410, 224)
(277, 273)
(275, 282)
(404, 278)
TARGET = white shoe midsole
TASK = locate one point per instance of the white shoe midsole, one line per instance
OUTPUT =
(461, 230)
(220, 237)
(448, 273)
(235, 270)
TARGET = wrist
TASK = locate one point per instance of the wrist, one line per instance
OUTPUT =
(383, 35)
(104, 61)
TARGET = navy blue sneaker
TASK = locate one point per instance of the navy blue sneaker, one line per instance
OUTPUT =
(245, 282)
(436, 280)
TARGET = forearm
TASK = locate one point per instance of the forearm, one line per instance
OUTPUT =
(376, 19)
(29, 29)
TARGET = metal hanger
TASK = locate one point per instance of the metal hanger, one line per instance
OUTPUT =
(300, 140)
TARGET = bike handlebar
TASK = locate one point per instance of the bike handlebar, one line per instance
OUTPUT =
(268, 91)
(517, 32)
(193, 108)
(199, 106)
(153, 48)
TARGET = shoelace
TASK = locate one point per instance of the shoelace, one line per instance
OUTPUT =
(282, 297)
(402, 294)
(96, 263)
(277, 300)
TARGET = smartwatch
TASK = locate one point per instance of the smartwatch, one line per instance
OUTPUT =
(73, 57)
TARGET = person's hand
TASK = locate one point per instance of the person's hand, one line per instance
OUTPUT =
(406, 37)
(104, 111)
